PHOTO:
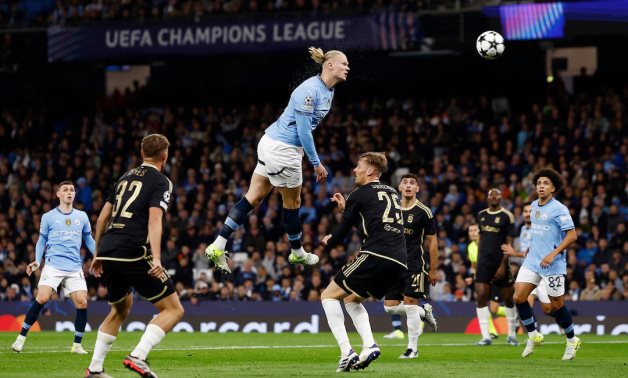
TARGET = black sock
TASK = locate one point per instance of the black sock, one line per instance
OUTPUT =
(564, 320)
(292, 225)
(237, 216)
(31, 317)
(79, 324)
(396, 322)
(526, 315)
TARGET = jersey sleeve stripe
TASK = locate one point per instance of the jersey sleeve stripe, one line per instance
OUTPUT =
(426, 209)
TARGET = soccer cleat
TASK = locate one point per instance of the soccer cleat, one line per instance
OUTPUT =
(571, 349)
(77, 349)
(307, 259)
(396, 334)
(409, 353)
(512, 341)
(218, 257)
(347, 362)
(494, 336)
(139, 366)
(18, 344)
(367, 356)
(484, 342)
(91, 374)
(531, 344)
(429, 316)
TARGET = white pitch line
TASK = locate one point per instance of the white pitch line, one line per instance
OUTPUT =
(34, 350)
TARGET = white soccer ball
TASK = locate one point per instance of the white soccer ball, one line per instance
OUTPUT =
(490, 45)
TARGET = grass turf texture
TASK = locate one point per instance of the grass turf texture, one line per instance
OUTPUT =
(46, 354)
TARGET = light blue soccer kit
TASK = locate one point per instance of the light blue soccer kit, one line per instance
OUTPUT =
(550, 223)
(60, 239)
(281, 148)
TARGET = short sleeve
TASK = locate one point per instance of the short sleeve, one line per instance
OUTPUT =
(353, 205)
(161, 194)
(564, 219)
(304, 98)
(430, 225)
(112, 194)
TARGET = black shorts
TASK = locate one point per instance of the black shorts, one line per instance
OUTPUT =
(485, 273)
(496, 294)
(413, 284)
(369, 276)
(121, 276)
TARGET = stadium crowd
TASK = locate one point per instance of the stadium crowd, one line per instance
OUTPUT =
(459, 147)
(20, 13)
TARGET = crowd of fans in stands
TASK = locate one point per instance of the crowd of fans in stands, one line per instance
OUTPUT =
(460, 147)
(20, 13)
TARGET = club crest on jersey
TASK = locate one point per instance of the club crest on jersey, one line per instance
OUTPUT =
(68, 222)
(410, 218)
(496, 219)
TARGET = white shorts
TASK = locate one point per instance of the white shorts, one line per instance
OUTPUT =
(70, 281)
(280, 162)
(541, 292)
(554, 285)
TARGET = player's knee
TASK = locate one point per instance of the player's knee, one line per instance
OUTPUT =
(519, 298)
(178, 311)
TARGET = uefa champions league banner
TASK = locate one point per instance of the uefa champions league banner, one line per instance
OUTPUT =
(597, 318)
(384, 31)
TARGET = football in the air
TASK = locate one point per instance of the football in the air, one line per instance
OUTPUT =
(490, 45)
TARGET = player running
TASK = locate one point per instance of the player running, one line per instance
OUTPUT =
(375, 211)
(61, 232)
(128, 256)
(279, 158)
(553, 231)
(419, 226)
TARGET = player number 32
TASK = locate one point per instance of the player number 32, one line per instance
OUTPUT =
(135, 187)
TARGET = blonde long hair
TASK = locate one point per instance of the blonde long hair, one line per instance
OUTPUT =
(321, 57)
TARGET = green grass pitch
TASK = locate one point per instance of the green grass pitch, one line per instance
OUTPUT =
(189, 355)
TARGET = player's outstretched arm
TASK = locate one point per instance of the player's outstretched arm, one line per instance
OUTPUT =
(340, 201)
(507, 249)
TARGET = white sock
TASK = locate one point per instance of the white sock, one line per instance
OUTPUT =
(220, 242)
(484, 316)
(361, 322)
(511, 317)
(151, 337)
(421, 312)
(336, 321)
(414, 325)
(103, 344)
(298, 252)
(395, 310)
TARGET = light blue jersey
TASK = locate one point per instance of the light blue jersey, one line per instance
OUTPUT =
(550, 223)
(60, 237)
(525, 238)
(309, 104)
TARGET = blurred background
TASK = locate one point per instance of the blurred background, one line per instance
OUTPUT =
(82, 81)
